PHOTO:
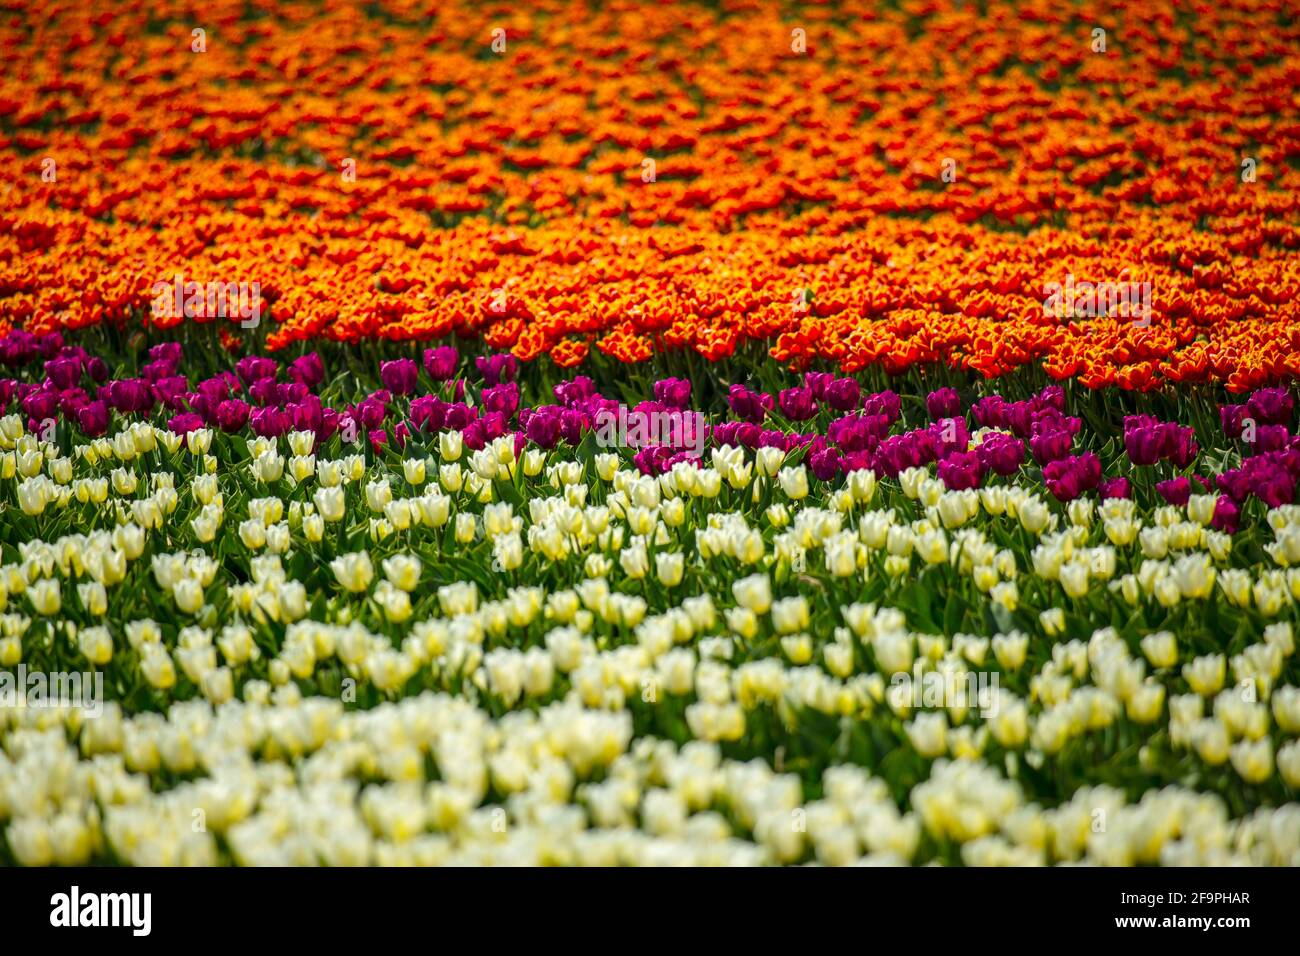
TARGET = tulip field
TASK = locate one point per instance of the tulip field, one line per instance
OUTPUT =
(707, 434)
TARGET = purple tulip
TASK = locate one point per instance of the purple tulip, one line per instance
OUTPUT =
(496, 369)
(372, 411)
(748, 434)
(673, 391)
(128, 395)
(1067, 478)
(843, 394)
(943, 403)
(825, 464)
(949, 435)
(1001, 454)
(208, 395)
(458, 416)
(427, 412)
(441, 362)
(70, 399)
(63, 372)
(1271, 406)
(92, 419)
(1270, 438)
(1231, 417)
(41, 404)
(1175, 491)
(1051, 397)
(576, 391)
(1050, 445)
(269, 422)
(855, 461)
(252, 367)
(17, 348)
(263, 392)
(307, 369)
(543, 428)
(399, 376)
(990, 411)
(286, 393)
(724, 433)
(171, 391)
(1143, 444)
(572, 424)
(502, 398)
(1020, 417)
(750, 405)
(156, 370)
(330, 419)
(185, 423)
(1180, 445)
(1114, 488)
(1226, 515)
(797, 404)
(307, 415)
(854, 432)
(885, 403)
(166, 352)
(900, 452)
(817, 383)
(1265, 476)
(961, 470)
(232, 415)
(97, 369)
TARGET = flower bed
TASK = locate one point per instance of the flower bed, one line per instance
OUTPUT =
(859, 185)
(431, 623)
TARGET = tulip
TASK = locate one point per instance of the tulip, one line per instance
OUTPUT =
(450, 446)
(353, 571)
(128, 395)
(92, 418)
(790, 615)
(399, 376)
(440, 363)
(843, 394)
(1271, 406)
(1050, 445)
(825, 464)
(308, 369)
(1226, 515)
(1176, 491)
(497, 368)
(961, 470)
(675, 392)
(670, 568)
(251, 368)
(943, 403)
(794, 482)
(232, 415)
(749, 405)
(33, 495)
(1205, 674)
(797, 404)
(45, 596)
(928, 734)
